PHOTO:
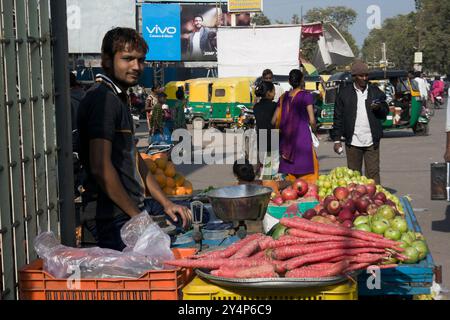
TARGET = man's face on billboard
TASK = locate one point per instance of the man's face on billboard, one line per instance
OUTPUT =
(198, 22)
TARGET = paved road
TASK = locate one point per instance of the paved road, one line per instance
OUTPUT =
(405, 168)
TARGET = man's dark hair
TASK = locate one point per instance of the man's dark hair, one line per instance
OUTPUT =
(267, 72)
(417, 74)
(156, 87)
(116, 40)
(73, 80)
(263, 87)
(244, 172)
(180, 93)
(437, 78)
(198, 16)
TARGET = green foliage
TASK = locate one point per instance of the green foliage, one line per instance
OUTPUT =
(295, 19)
(261, 20)
(425, 30)
(341, 17)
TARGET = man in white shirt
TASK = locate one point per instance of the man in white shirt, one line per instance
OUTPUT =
(358, 113)
(267, 75)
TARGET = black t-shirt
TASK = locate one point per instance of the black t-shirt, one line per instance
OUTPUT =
(104, 114)
(264, 111)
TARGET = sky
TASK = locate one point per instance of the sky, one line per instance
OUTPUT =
(284, 9)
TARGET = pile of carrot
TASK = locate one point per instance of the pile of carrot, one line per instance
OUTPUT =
(307, 250)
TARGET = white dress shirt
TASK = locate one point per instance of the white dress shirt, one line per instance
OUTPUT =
(196, 50)
(362, 136)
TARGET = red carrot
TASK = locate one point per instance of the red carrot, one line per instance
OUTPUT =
(325, 256)
(356, 266)
(282, 242)
(306, 225)
(231, 250)
(335, 269)
(215, 263)
(284, 253)
(262, 271)
(248, 249)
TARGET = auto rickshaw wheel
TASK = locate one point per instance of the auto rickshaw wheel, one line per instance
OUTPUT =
(421, 129)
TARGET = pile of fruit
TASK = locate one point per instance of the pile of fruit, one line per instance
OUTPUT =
(164, 171)
(299, 190)
(345, 177)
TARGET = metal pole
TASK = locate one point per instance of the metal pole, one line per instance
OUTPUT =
(63, 121)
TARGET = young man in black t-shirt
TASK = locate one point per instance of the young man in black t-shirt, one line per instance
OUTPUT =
(108, 150)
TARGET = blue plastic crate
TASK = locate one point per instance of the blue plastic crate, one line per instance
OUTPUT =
(406, 279)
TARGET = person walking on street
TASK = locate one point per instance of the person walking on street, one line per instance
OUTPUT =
(358, 113)
(447, 130)
(264, 111)
(115, 169)
(178, 110)
(295, 119)
(150, 102)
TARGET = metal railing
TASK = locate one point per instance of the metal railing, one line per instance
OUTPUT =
(30, 197)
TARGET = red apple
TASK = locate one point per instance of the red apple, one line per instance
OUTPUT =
(380, 196)
(350, 204)
(378, 202)
(341, 193)
(371, 190)
(278, 201)
(309, 214)
(356, 195)
(361, 205)
(323, 213)
(361, 189)
(344, 215)
(334, 207)
(289, 194)
(351, 186)
(301, 186)
(327, 200)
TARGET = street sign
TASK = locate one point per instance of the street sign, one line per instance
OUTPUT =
(245, 6)
(418, 57)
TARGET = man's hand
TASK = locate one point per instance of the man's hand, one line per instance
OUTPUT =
(338, 148)
(186, 215)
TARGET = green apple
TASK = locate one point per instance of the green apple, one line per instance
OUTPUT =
(379, 226)
(400, 224)
(421, 247)
(363, 227)
(412, 254)
(392, 234)
(361, 220)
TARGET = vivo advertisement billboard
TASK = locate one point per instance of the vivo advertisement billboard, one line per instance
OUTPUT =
(177, 32)
(161, 31)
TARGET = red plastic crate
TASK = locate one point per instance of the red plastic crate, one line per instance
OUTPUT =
(36, 284)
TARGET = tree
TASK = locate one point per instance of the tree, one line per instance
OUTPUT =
(295, 19)
(261, 20)
(279, 21)
(406, 34)
(341, 17)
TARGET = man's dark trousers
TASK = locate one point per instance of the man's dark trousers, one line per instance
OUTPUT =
(371, 156)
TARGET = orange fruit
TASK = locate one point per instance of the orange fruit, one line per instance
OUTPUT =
(170, 183)
(169, 191)
(159, 156)
(179, 180)
(145, 156)
(161, 163)
(159, 171)
(188, 187)
(161, 179)
(170, 170)
(151, 165)
(180, 191)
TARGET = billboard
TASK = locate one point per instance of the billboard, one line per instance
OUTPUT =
(88, 21)
(161, 31)
(177, 32)
(245, 5)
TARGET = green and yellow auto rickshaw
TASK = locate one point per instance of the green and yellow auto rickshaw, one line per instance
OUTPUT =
(199, 93)
(406, 110)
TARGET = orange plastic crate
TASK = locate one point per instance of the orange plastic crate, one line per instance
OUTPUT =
(36, 284)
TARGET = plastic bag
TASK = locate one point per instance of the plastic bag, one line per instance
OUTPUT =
(147, 248)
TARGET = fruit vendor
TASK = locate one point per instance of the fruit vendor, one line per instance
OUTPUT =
(358, 113)
(108, 150)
